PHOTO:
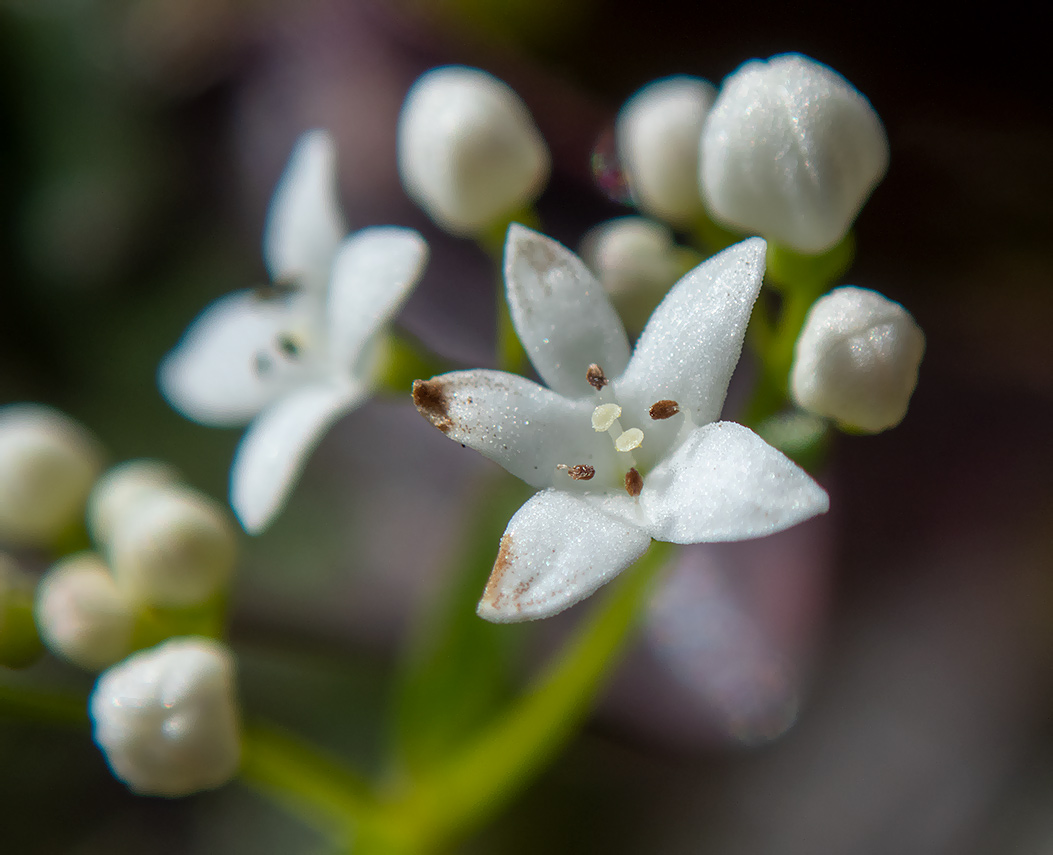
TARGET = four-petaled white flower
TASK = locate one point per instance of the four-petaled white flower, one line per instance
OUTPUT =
(622, 449)
(300, 352)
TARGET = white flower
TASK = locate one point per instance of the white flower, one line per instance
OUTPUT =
(300, 353)
(82, 615)
(47, 465)
(657, 134)
(468, 149)
(174, 549)
(621, 450)
(791, 151)
(856, 360)
(167, 719)
(122, 490)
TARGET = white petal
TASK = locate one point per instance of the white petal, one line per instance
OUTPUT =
(213, 375)
(693, 341)
(562, 314)
(374, 271)
(304, 223)
(276, 446)
(725, 483)
(557, 549)
(791, 151)
(518, 424)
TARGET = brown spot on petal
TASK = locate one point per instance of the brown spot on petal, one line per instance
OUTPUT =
(597, 379)
(492, 594)
(664, 409)
(430, 398)
(633, 483)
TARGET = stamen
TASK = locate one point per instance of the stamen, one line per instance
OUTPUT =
(288, 346)
(633, 483)
(629, 440)
(580, 472)
(604, 416)
(664, 409)
(597, 379)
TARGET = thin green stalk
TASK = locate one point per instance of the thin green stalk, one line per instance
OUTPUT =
(68, 709)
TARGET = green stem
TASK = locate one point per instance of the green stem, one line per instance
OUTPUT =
(68, 709)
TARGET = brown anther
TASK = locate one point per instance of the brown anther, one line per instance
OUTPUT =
(580, 472)
(430, 398)
(633, 482)
(288, 346)
(664, 409)
(597, 379)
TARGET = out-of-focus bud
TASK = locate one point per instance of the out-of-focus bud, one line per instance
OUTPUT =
(81, 614)
(657, 133)
(637, 260)
(468, 150)
(791, 151)
(19, 641)
(47, 465)
(175, 549)
(122, 490)
(856, 360)
(167, 718)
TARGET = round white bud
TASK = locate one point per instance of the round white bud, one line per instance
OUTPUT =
(81, 614)
(856, 360)
(468, 150)
(167, 719)
(175, 549)
(657, 134)
(631, 254)
(121, 490)
(47, 465)
(791, 151)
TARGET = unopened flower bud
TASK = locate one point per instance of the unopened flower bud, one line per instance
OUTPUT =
(121, 491)
(47, 465)
(81, 614)
(856, 360)
(19, 641)
(791, 151)
(657, 135)
(176, 549)
(468, 150)
(167, 718)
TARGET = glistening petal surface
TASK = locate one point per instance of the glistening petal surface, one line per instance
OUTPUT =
(212, 376)
(724, 484)
(557, 550)
(275, 447)
(690, 346)
(562, 314)
(373, 273)
(304, 223)
(518, 424)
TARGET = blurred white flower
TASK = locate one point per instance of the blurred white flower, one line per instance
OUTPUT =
(82, 615)
(299, 353)
(622, 450)
(47, 465)
(174, 549)
(167, 719)
(121, 490)
(468, 150)
(791, 151)
(856, 360)
(657, 134)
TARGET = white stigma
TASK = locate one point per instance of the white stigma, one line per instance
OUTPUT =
(629, 440)
(604, 417)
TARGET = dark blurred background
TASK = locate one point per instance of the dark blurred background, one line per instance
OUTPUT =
(880, 680)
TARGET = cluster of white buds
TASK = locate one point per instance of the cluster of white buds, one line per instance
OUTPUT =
(161, 545)
(856, 360)
(48, 463)
(167, 718)
(469, 152)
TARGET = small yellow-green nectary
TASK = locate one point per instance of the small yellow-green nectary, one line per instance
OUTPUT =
(856, 360)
